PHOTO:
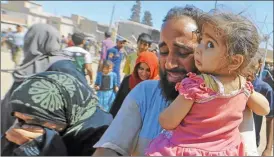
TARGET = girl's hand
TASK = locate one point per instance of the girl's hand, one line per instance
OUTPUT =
(25, 133)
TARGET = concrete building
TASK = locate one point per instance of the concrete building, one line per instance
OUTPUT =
(25, 13)
(10, 19)
(100, 33)
(269, 55)
(131, 30)
(28, 13)
(84, 25)
(63, 24)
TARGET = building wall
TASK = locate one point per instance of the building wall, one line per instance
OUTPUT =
(102, 27)
(88, 26)
(34, 7)
(17, 6)
(66, 29)
(13, 17)
(55, 22)
(127, 29)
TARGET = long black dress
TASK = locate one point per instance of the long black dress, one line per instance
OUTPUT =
(120, 97)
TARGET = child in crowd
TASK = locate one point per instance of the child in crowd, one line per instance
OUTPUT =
(204, 119)
(106, 85)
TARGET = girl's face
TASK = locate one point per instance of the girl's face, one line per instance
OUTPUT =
(107, 70)
(211, 53)
(143, 71)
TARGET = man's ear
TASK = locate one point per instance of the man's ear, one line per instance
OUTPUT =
(235, 62)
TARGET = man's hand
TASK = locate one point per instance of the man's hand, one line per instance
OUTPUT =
(23, 134)
(116, 89)
(110, 55)
(91, 81)
(96, 87)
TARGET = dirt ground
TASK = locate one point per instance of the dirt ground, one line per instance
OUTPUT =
(6, 82)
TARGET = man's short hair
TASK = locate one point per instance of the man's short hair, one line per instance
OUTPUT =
(17, 26)
(107, 34)
(188, 11)
(145, 37)
(78, 38)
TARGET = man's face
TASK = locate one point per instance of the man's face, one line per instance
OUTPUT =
(142, 46)
(176, 48)
(19, 29)
(120, 44)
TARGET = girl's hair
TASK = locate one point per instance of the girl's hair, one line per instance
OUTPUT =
(240, 34)
(107, 63)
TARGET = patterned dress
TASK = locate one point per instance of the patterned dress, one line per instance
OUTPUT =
(211, 126)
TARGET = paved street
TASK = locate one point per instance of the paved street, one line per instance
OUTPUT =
(6, 82)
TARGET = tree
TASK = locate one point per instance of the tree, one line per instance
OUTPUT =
(135, 12)
(147, 19)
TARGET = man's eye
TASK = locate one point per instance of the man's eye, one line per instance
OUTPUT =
(210, 45)
(184, 55)
(164, 53)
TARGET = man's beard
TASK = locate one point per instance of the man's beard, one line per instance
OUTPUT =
(168, 88)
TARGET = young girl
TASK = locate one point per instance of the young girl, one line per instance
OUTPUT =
(204, 119)
(106, 85)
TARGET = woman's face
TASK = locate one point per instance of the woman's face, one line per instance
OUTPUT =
(30, 120)
(143, 71)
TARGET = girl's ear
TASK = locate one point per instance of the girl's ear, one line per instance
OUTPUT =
(235, 62)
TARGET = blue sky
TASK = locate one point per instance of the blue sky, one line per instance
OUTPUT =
(101, 10)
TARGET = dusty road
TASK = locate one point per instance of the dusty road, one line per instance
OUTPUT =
(6, 82)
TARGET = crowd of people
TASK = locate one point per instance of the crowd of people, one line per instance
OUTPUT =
(194, 96)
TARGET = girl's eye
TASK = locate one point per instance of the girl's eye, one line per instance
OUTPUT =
(210, 45)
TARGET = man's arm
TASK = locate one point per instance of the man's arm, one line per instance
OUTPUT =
(104, 51)
(105, 152)
(258, 104)
(119, 137)
(88, 67)
(247, 130)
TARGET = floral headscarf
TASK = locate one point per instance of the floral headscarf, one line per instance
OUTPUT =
(55, 97)
(59, 98)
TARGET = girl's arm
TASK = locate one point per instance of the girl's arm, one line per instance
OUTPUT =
(172, 116)
(258, 104)
(97, 82)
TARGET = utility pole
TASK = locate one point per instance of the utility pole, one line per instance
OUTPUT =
(110, 22)
(215, 4)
